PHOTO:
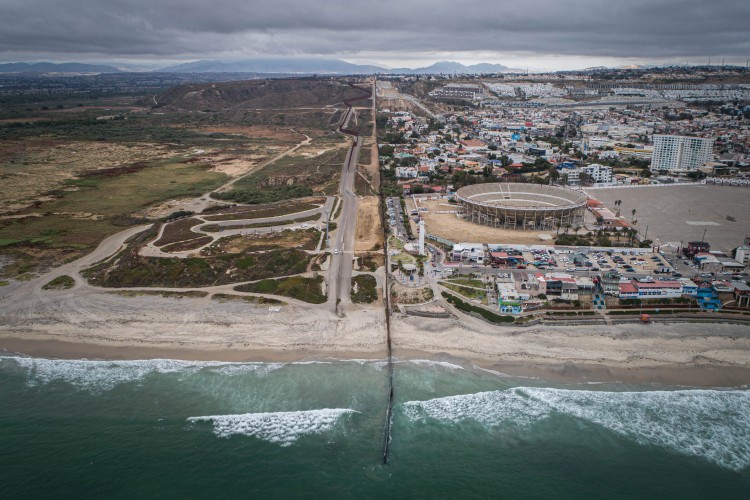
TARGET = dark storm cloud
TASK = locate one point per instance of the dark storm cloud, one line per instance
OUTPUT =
(192, 28)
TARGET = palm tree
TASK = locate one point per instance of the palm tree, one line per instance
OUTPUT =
(633, 212)
(632, 233)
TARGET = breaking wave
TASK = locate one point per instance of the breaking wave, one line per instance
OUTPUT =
(714, 425)
(104, 375)
(283, 428)
(431, 363)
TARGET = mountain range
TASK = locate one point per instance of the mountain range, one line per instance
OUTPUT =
(48, 67)
(324, 66)
(264, 65)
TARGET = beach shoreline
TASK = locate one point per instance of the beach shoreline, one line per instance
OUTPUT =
(698, 375)
(102, 325)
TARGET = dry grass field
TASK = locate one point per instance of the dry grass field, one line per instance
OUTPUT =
(369, 232)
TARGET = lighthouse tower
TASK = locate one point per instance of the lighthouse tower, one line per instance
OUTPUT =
(421, 237)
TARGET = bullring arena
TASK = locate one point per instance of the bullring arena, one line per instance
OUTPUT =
(522, 206)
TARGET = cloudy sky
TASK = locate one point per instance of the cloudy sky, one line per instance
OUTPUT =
(541, 34)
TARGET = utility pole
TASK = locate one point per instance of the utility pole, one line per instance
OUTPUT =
(328, 237)
(703, 238)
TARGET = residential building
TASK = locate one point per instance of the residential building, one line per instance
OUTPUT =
(674, 153)
(600, 173)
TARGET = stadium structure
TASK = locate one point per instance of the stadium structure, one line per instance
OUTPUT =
(522, 206)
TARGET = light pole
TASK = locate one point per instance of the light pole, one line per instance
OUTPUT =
(328, 236)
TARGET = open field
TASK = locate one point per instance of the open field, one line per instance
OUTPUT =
(682, 213)
(263, 211)
(83, 168)
(37, 166)
(215, 228)
(83, 215)
(454, 229)
(369, 232)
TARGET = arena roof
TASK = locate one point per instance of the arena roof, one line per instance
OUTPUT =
(521, 196)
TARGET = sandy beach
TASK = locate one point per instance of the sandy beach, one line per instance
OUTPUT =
(102, 325)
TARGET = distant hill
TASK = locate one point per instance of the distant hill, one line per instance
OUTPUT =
(48, 67)
(455, 67)
(275, 65)
(308, 66)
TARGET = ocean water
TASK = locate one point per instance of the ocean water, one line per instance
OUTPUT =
(166, 428)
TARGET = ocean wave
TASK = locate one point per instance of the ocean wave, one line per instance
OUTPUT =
(104, 375)
(714, 425)
(429, 362)
(283, 428)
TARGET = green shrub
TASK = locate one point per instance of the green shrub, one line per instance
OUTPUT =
(488, 315)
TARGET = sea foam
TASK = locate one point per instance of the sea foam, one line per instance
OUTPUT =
(714, 425)
(99, 376)
(429, 362)
(283, 428)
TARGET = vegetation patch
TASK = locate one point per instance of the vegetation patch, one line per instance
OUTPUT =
(296, 287)
(469, 293)
(227, 297)
(371, 261)
(178, 231)
(469, 308)
(184, 246)
(407, 295)
(289, 177)
(60, 283)
(258, 212)
(364, 289)
(129, 269)
(304, 239)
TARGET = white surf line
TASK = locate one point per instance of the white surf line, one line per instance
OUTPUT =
(282, 428)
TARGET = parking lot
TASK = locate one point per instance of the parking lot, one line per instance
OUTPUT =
(682, 213)
(635, 261)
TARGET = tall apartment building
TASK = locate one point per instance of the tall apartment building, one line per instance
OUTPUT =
(675, 153)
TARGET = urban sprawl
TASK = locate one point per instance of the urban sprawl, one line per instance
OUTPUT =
(549, 175)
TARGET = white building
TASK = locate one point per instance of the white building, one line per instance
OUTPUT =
(742, 255)
(473, 252)
(675, 153)
(406, 172)
(600, 173)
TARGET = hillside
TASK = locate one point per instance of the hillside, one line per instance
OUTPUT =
(256, 94)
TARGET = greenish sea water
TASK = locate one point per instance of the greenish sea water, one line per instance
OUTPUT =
(165, 428)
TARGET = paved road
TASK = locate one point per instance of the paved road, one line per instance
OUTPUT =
(340, 270)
